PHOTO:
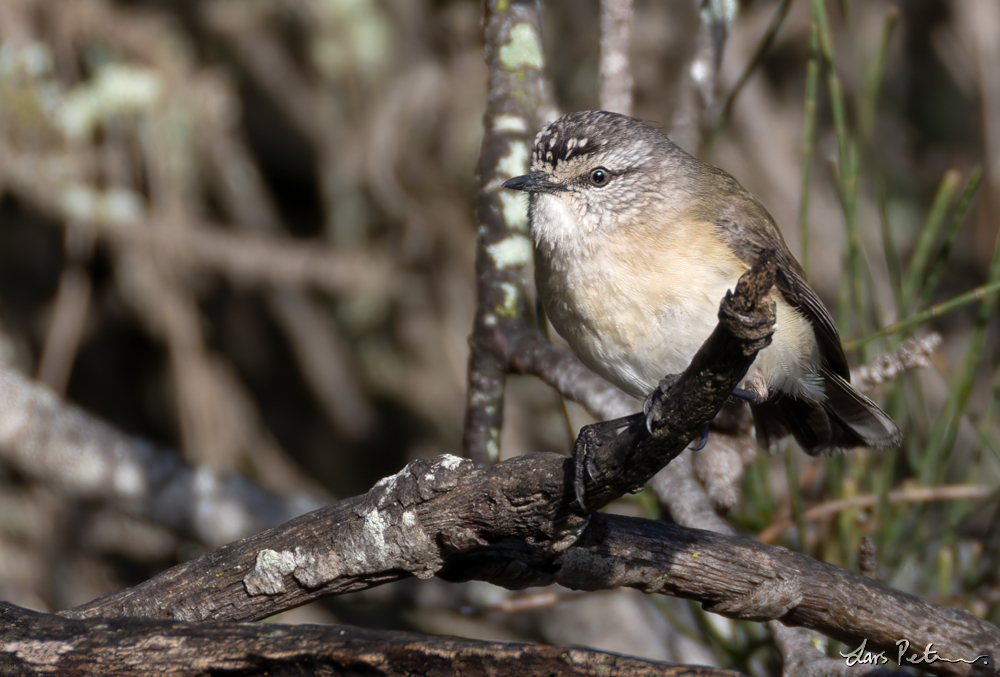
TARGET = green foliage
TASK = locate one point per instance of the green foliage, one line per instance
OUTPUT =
(951, 435)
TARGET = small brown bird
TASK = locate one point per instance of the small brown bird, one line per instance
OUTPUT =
(637, 242)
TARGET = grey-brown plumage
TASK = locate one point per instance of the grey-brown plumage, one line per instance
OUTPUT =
(636, 243)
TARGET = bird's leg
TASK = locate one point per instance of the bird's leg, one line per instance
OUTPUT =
(591, 436)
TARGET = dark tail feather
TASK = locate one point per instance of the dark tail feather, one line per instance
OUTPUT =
(846, 419)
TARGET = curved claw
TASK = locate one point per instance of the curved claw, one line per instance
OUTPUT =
(702, 440)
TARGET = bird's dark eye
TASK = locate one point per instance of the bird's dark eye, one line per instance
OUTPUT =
(600, 176)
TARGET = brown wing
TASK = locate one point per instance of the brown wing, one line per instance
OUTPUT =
(749, 230)
(846, 418)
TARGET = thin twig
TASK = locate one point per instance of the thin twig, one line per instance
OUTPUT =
(616, 80)
(961, 492)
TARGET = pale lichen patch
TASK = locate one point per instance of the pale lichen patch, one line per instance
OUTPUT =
(116, 89)
(374, 528)
(514, 163)
(509, 123)
(523, 49)
(509, 304)
(515, 210)
(267, 577)
(312, 571)
(451, 462)
(509, 252)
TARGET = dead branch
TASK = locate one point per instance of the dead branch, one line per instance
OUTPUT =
(64, 447)
(447, 518)
(46, 643)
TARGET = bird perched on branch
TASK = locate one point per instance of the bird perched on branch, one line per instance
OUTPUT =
(636, 243)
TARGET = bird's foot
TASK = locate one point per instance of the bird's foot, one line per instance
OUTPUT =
(665, 384)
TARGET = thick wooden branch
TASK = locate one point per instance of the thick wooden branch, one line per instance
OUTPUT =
(741, 578)
(35, 643)
(431, 520)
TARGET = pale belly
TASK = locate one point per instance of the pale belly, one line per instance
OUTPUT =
(636, 330)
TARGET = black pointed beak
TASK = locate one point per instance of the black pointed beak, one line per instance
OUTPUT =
(530, 183)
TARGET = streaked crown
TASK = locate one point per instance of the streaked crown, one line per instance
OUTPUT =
(614, 138)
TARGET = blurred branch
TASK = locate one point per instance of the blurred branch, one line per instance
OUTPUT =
(722, 118)
(564, 371)
(696, 93)
(209, 433)
(910, 494)
(271, 65)
(315, 339)
(63, 447)
(245, 258)
(616, 80)
(69, 315)
(122, 646)
(256, 259)
(307, 102)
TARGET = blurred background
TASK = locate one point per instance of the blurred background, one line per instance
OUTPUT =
(244, 230)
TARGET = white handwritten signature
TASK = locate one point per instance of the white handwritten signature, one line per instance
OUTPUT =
(861, 656)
